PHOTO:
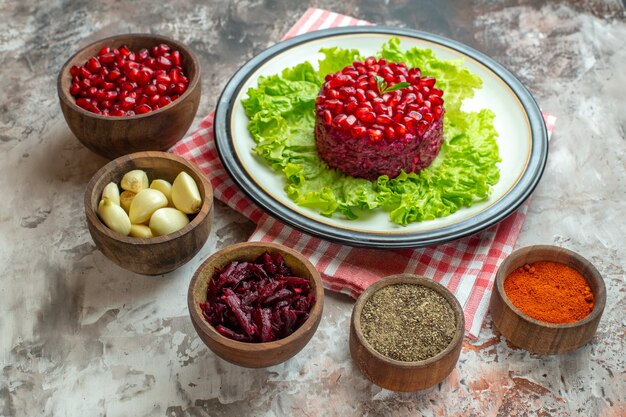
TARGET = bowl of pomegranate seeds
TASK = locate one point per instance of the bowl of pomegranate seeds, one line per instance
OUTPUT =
(130, 93)
(256, 304)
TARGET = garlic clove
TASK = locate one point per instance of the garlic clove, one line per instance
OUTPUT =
(167, 220)
(185, 194)
(114, 216)
(111, 192)
(165, 187)
(126, 198)
(144, 204)
(135, 181)
(140, 230)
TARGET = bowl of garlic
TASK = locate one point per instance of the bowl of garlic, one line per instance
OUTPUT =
(149, 212)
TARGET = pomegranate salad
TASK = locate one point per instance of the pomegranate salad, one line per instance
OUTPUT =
(378, 118)
(455, 162)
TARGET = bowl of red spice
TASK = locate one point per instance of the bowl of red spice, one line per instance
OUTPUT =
(256, 304)
(406, 332)
(547, 299)
(130, 93)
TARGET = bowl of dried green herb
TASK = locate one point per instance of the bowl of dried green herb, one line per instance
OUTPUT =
(406, 332)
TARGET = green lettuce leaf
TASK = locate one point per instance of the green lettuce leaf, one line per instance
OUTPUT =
(281, 110)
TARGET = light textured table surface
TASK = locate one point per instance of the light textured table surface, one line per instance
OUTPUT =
(82, 337)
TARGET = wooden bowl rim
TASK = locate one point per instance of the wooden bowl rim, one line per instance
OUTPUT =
(203, 214)
(414, 279)
(594, 275)
(306, 327)
(69, 101)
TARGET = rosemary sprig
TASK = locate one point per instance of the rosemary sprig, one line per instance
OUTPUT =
(383, 87)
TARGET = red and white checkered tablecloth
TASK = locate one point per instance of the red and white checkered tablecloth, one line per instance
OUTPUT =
(467, 266)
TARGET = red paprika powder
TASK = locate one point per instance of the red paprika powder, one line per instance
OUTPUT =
(550, 291)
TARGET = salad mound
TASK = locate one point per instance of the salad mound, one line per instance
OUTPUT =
(378, 118)
(281, 110)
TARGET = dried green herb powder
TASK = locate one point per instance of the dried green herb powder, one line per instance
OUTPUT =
(408, 322)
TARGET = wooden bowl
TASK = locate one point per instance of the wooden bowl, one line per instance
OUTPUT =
(254, 355)
(398, 375)
(538, 336)
(157, 130)
(155, 255)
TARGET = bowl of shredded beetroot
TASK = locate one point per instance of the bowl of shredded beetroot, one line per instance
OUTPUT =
(256, 304)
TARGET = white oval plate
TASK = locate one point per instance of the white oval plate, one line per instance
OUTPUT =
(522, 141)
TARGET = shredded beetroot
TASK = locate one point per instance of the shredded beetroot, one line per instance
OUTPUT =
(257, 301)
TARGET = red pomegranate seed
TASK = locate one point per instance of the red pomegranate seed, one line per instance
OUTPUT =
(436, 92)
(163, 63)
(150, 90)
(97, 81)
(107, 58)
(143, 54)
(375, 135)
(350, 107)
(438, 111)
(365, 115)
(144, 77)
(128, 103)
(143, 109)
(164, 101)
(163, 79)
(75, 89)
(124, 50)
(162, 89)
(415, 115)
(339, 120)
(427, 82)
(370, 94)
(84, 72)
(117, 113)
(383, 119)
(93, 65)
(154, 100)
(358, 131)
(327, 116)
(421, 127)
(175, 58)
(85, 103)
(390, 133)
(400, 129)
(113, 75)
(435, 100)
(334, 94)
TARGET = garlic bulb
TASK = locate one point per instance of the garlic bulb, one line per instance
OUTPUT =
(144, 204)
(165, 187)
(140, 230)
(126, 198)
(167, 220)
(135, 181)
(185, 194)
(111, 192)
(114, 216)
